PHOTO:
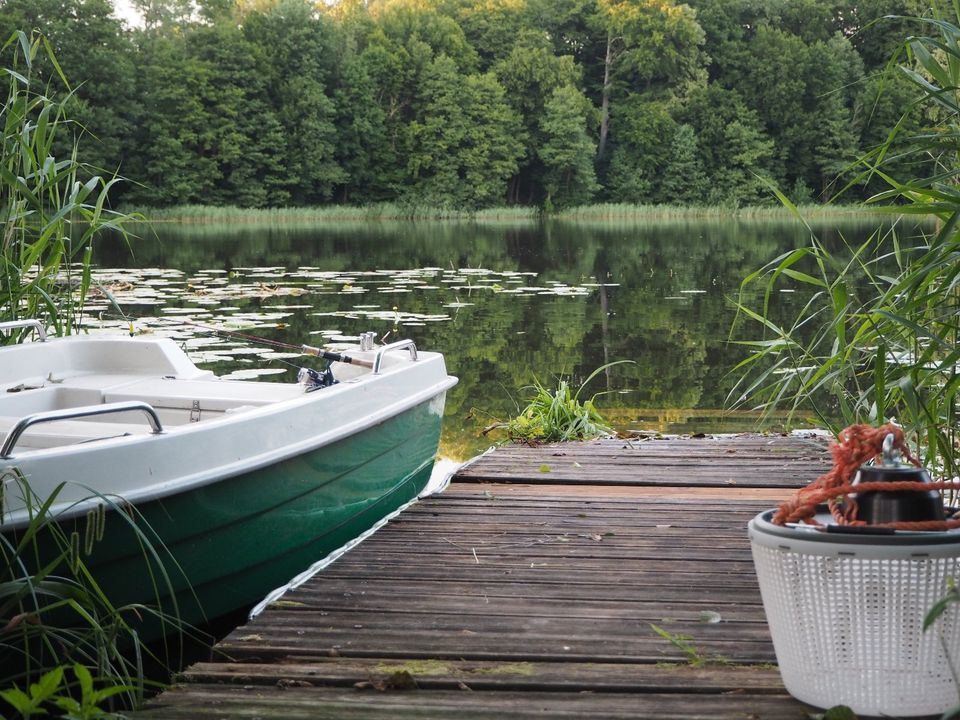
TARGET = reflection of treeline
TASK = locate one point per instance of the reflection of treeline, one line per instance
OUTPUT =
(471, 103)
(666, 301)
(395, 245)
(533, 246)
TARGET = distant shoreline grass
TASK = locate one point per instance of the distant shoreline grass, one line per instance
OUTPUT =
(200, 214)
(618, 211)
(331, 213)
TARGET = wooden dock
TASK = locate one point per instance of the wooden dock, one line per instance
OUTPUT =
(599, 580)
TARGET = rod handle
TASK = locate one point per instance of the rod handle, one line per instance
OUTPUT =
(335, 357)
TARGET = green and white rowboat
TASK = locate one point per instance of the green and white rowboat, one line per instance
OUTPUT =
(240, 485)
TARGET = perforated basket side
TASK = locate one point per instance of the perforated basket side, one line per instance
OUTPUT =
(847, 626)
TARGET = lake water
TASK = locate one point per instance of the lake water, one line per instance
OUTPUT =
(505, 304)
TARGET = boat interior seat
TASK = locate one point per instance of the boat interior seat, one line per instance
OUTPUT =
(210, 395)
(177, 401)
(69, 432)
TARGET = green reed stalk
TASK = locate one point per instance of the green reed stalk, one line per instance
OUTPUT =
(878, 339)
(52, 207)
(53, 613)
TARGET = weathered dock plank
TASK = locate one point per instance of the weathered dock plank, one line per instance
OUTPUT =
(487, 603)
(742, 461)
(505, 616)
(491, 675)
(326, 703)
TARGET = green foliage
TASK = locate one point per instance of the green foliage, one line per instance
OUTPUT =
(52, 690)
(297, 103)
(567, 150)
(490, 26)
(98, 56)
(557, 415)
(684, 180)
(889, 350)
(466, 139)
(170, 165)
(837, 712)
(52, 612)
(683, 643)
(530, 74)
(51, 208)
(54, 615)
(652, 45)
(640, 153)
(293, 48)
(868, 346)
(796, 69)
(367, 148)
(240, 131)
(734, 148)
(951, 597)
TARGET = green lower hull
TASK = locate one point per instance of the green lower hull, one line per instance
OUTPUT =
(224, 546)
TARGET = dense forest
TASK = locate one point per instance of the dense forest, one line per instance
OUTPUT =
(477, 103)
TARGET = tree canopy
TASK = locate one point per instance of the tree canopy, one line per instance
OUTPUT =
(475, 103)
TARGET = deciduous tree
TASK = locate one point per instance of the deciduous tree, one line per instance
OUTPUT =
(642, 130)
(734, 148)
(530, 74)
(567, 151)
(466, 139)
(294, 46)
(649, 45)
(97, 57)
(684, 179)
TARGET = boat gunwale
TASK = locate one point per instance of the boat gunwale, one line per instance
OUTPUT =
(12, 520)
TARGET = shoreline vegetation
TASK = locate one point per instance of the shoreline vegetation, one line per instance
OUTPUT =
(211, 215)
(477, 103)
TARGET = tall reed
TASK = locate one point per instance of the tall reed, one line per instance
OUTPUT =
(878, 339)
(53, 612)
(52, 206)
(380, 212)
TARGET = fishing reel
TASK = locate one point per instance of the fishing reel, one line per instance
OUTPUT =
(315, 379)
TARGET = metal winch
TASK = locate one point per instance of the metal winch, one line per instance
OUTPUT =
(893, 506)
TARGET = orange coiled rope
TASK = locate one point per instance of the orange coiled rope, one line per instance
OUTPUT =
(857, 445)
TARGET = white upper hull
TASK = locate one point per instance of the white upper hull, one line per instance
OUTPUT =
(211, 428)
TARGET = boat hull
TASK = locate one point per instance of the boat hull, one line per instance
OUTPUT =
(195, 495)
(224, 545)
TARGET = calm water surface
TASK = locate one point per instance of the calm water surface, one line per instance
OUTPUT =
(505, 304)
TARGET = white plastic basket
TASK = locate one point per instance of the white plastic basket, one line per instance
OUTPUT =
(846, 615)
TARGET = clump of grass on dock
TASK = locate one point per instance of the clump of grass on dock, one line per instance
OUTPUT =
(557, 415)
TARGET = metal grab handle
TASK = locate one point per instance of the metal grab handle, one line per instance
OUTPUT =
(17, 324)
(78, 412)
(399, 345)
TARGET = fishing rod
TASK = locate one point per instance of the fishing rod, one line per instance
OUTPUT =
(304, 349)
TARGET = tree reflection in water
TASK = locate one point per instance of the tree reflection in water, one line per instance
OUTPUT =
(504, 303)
